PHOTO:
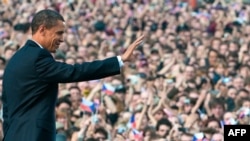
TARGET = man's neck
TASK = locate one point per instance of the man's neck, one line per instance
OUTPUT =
(37, 40)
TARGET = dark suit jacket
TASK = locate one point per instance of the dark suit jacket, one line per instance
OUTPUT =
(30, 87)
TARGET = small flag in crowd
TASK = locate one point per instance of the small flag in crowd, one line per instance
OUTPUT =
(131, 122)
(108, 89)
(97, 101)
(87, 105)
(230, 121)
(222, 123)
(137, 134)
(199, 137)
(243, 112)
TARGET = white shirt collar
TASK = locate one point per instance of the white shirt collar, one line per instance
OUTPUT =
(37, 44)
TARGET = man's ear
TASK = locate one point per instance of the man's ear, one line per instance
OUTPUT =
(42, 30)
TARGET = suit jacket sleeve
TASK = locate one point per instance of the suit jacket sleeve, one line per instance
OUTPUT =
(5, 113)
(49, 70)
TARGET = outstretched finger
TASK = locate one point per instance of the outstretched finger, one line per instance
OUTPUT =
(138, 41)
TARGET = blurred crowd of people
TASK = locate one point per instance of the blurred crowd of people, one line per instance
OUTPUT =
(188, 79)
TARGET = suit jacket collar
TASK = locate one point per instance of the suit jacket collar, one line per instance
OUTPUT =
(32, 44)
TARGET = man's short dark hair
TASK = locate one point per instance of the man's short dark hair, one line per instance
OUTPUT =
(91, 139)
(211, 119)
(217, 102)
(47, 17)
(101, 130)
(75, 87)
(242, 90)
(163, 121)
(187, 134)
(63, 100)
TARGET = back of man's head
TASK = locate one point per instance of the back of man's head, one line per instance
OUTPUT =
(46, 17)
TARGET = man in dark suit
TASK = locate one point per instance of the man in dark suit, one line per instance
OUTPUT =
(30, 81)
